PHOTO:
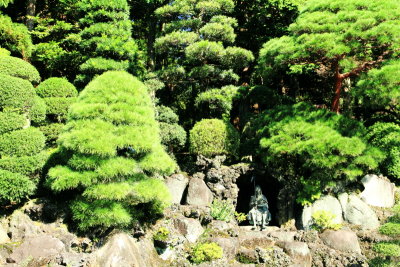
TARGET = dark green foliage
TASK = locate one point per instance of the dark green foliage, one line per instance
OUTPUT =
(15, 37)
(114, 140)
(19, 68)
(386, 136)
(51, 131)
(37, 112)
(173, 136)
(58, 105)
(314, 148)
(211, 137)
(26, 142)
(10, 121)
(56, 87)
(26, 165)
(14, 187)
(216, 103)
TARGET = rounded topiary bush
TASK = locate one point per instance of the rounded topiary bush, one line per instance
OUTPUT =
(10, 121)
(56, 87)
(26, 142)
(211, 137)
(14, 187)
(15, 93)
(19, 68)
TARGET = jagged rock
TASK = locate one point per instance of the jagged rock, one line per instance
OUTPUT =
(342, 240)
(198, 193)
(21, 227)
(326, 203)
(324, 256)
(230, 246)
(177, 184)
(252, 239)
(299, 253)
(273, 257)
(42, 247)
(283, 236)
(3, 235)
(190, 228)
(379, 191)
(122, 250)
(356, 211)
(74, 259)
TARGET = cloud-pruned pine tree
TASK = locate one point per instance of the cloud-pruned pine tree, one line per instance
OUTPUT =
(114, 145)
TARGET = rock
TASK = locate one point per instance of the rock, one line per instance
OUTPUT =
(356, 211)
(379, 191)
(326, 203)
(3, 236)
(324, 256)
(190, 228)
(252, 239)
(37, 248)
(298, 251)
(342, 240)
(74, 259)
(122, 250)
(21, 227)
(230, 246)
(273, 257)
(198, 193)
(177, 184)
(283, 236)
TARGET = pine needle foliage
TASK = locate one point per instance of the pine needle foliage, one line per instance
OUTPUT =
(115, 148)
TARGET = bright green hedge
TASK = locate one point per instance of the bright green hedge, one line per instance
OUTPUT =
(16, 93)
(56, 87)
(58, 105)
(37, 113)
(10, 121)
(14, 187)
(15, 37)
(26, 165)
(51, 131)
(19, 68)
(26, 142)
(210, 137)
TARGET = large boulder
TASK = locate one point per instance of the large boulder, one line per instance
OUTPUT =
(122, 250)
(298, 251)
(3, 235)
(21, 227)
(342, 240)
(189, 227)
(229, 245)
(379, 191)
(198, 193)
(177, 184)
(253, 239)
(356, 211)
(42, 247)
(326, 203)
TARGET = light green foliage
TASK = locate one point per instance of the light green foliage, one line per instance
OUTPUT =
(5, 3)
(216, 103)
(323, 220)
(14, 187)
(19, 68)
(56, 87)
(162, 234)
(106, 41)
(240, 216)
(387, 137)
(206, 252)
(204, 52)
(353, 35)
(210, 137)
(237, 58)
(15, 37)
(114, 139)
(314, 148)
(10, 121)
(26, 142)
(16, 94)
(218, 32)
(37, 113)
(4, 52)
(222, 210)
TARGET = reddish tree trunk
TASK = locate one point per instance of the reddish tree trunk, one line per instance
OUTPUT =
(338, 89)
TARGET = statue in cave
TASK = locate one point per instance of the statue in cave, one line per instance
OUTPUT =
(259, 214)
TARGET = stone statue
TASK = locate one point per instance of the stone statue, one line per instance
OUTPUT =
(259, 214)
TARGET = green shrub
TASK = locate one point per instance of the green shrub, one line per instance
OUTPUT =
(51, 131)
(4, 52)
(15, 37)
(19, 68)
(37, 113)
(211, 137)
(240, 217)
(16, 94)
(162, 234)
(166, 115)
(323, 220)
(10, 121)
(56, 87)
(26, 165)
(114, 142)
(14, 187)
(222, 210)
(391, 249)
(26, 142)
(206, 252)
(58, 105)
(216, 103)
(173, 136)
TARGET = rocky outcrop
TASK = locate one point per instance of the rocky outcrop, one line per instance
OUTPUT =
(177, 184)
(342, 240)
(356, 211)
(299, 253)
(379, 191)
(188, 227)
(198, 193)
(326, 203)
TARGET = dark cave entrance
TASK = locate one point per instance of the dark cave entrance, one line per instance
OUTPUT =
(270, 188)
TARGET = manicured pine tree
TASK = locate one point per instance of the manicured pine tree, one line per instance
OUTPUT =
(106, 42)
(114, 145)
(21, 156)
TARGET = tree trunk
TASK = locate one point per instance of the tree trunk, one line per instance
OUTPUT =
(338, 90)
(151, 37)
(30, 13)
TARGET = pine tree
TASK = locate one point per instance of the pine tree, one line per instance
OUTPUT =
(114, 145)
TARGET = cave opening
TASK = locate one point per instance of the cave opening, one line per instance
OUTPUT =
(270, 188)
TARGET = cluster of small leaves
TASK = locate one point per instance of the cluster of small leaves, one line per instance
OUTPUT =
(173, 136)
(206, 252)
(222, 210)
(15, 36)
(162, 234)
(323, 220)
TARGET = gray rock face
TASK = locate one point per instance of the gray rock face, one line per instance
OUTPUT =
(39, 247)
(326, 203)
(379, 191)
(21, 227)
(298, 251)
(3, 236)
(285, 236)
(177, 184)
(121, 250)
(357, 212)
(342, 240)
(230, 246)
(190, 228)
(198, 193)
